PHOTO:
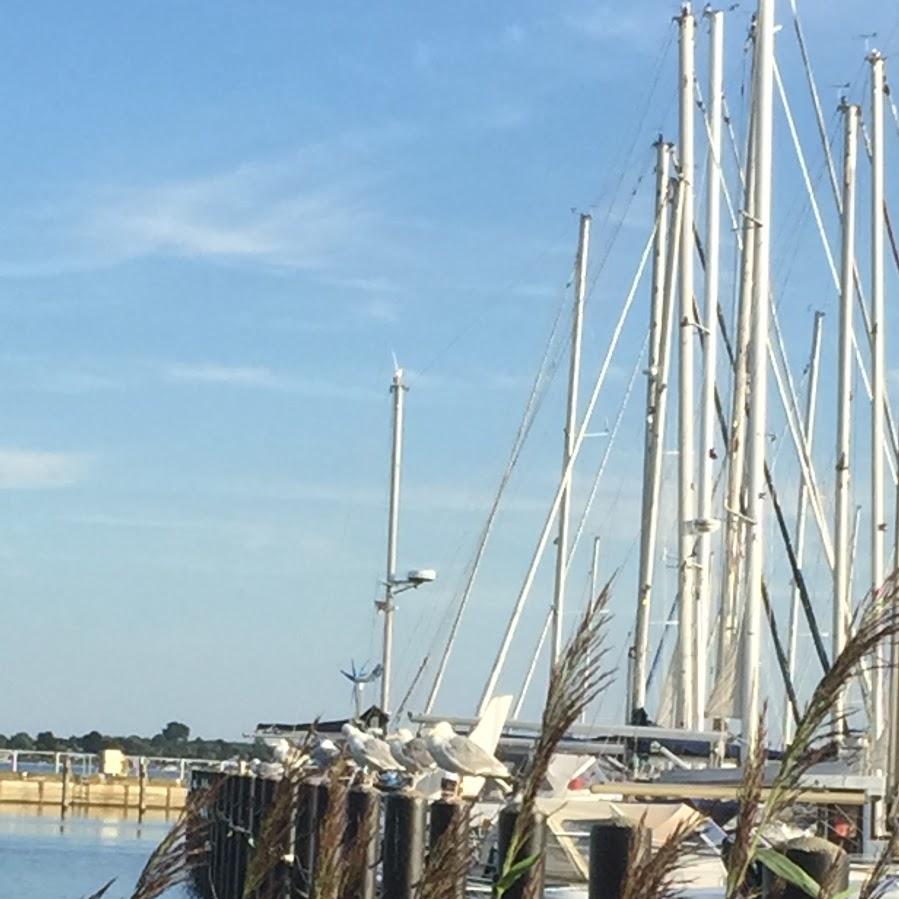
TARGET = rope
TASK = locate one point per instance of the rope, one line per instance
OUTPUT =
(544, 374)
(606, 453)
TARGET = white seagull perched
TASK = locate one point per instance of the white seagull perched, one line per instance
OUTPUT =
(459, 755)
(368, 751)
(411, 752)
(324, 752)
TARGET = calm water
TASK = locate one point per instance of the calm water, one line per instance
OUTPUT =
(38, 860)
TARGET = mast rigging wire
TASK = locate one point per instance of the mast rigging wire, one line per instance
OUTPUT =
(545, 374)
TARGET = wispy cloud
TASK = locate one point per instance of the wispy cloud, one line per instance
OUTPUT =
(259, 377)
(317, 209)
(22, 469)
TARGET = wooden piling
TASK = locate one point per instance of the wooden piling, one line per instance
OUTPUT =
(530, 883)
(450, 820)
(65, 802)
(613, 844)
(142, 771)
(823, 861)
(364, 823)
(404, 844)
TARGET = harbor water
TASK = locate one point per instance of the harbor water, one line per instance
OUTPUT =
(43, 858)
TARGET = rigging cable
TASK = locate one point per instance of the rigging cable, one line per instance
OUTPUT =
(545, 373)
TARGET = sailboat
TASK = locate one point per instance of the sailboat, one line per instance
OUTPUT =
(684, 742)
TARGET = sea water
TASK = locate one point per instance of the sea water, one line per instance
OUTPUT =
(44, 858)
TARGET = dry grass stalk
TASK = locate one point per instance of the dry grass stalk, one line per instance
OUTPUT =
(331, 868)
(182, 850)
(881, 868)
(650, 874)
(877, 622)
(742, 848)
(576, 680)
(276, 831)
(448, 862)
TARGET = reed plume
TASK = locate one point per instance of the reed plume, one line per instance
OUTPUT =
(448, 863)
(577, 678)
(181, 852)
(876, 623)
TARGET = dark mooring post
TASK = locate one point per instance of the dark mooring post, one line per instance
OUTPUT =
(612, 844)
(823, 861)
(312, 803)
(533, 843)
(142, 774)
(448, 830)
(364, 823)
(404, 844)
(66, 787)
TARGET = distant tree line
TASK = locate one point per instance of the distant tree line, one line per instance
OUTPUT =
(173, 740)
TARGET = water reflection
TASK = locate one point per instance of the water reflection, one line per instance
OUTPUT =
(102, 825)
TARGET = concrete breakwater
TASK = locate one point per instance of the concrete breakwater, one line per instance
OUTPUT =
(66, 791)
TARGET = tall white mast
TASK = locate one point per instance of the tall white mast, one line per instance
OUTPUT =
(811, 405)
(878, 387)
(842, 559)
(758, 374)
(686, 479)
(656, 404)
(398, 389)
(709, 419)
(580, 292)
(735, 523)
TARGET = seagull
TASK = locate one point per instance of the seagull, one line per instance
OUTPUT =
(324, 752)
(290, 756)
(368, 751)
(459, 755)
(411, 752)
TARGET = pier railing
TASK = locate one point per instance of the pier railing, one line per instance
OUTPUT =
(40, 761)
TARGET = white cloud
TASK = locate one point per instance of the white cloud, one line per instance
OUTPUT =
(36, 470)
(317, 209)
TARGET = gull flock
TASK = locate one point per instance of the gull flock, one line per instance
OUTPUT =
(401, 753)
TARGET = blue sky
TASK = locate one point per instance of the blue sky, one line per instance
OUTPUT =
(218, 222)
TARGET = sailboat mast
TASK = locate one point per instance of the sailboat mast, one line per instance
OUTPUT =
(735, 522)
(686, 667)
(580, 291)
(844, 388)
(758, 374)
(709, 416)
(656, 403)
(878, 387)
(398, 389)
(811, 405)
